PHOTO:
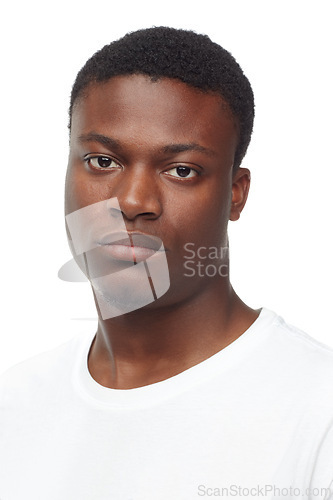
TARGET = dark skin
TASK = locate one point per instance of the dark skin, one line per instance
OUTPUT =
(147, 122)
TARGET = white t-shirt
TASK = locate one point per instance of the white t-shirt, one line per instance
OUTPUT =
(255, 420)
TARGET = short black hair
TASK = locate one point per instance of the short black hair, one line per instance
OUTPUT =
(173, 53)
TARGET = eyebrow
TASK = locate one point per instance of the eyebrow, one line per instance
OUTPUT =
(192, 146)
(102, 139)
(168, 149)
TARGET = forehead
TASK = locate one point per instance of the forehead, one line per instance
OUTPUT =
(146, 110)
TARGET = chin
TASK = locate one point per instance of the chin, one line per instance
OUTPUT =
(123, 291)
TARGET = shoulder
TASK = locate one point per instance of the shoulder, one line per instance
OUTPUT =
(47, 371)
(304, 363)
(291, 340)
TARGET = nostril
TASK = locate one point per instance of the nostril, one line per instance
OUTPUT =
(112, 204)
(116, 213)
(145, 215)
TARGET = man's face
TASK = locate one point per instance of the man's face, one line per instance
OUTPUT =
(165, 151)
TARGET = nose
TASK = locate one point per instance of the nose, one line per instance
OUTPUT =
(138, 193)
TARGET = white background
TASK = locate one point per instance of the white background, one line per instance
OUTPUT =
(281, 249)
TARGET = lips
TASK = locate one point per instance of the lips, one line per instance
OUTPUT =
(131, 247)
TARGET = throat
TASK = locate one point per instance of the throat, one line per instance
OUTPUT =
(131, 354)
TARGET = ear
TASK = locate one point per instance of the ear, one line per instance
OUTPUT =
(240, 189)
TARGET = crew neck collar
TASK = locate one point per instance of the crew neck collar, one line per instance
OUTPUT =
(165, 389)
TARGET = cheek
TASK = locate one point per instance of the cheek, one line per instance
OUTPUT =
(79, 192)
(202, 219)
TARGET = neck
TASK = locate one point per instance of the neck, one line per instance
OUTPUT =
(155, 343)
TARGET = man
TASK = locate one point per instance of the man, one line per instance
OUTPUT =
(184, 391)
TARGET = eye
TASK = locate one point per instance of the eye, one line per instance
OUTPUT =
(182, 172)
(102, 163)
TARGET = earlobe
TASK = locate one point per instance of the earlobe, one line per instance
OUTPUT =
(240, 189)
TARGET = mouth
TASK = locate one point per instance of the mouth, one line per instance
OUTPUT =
(130, 247)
